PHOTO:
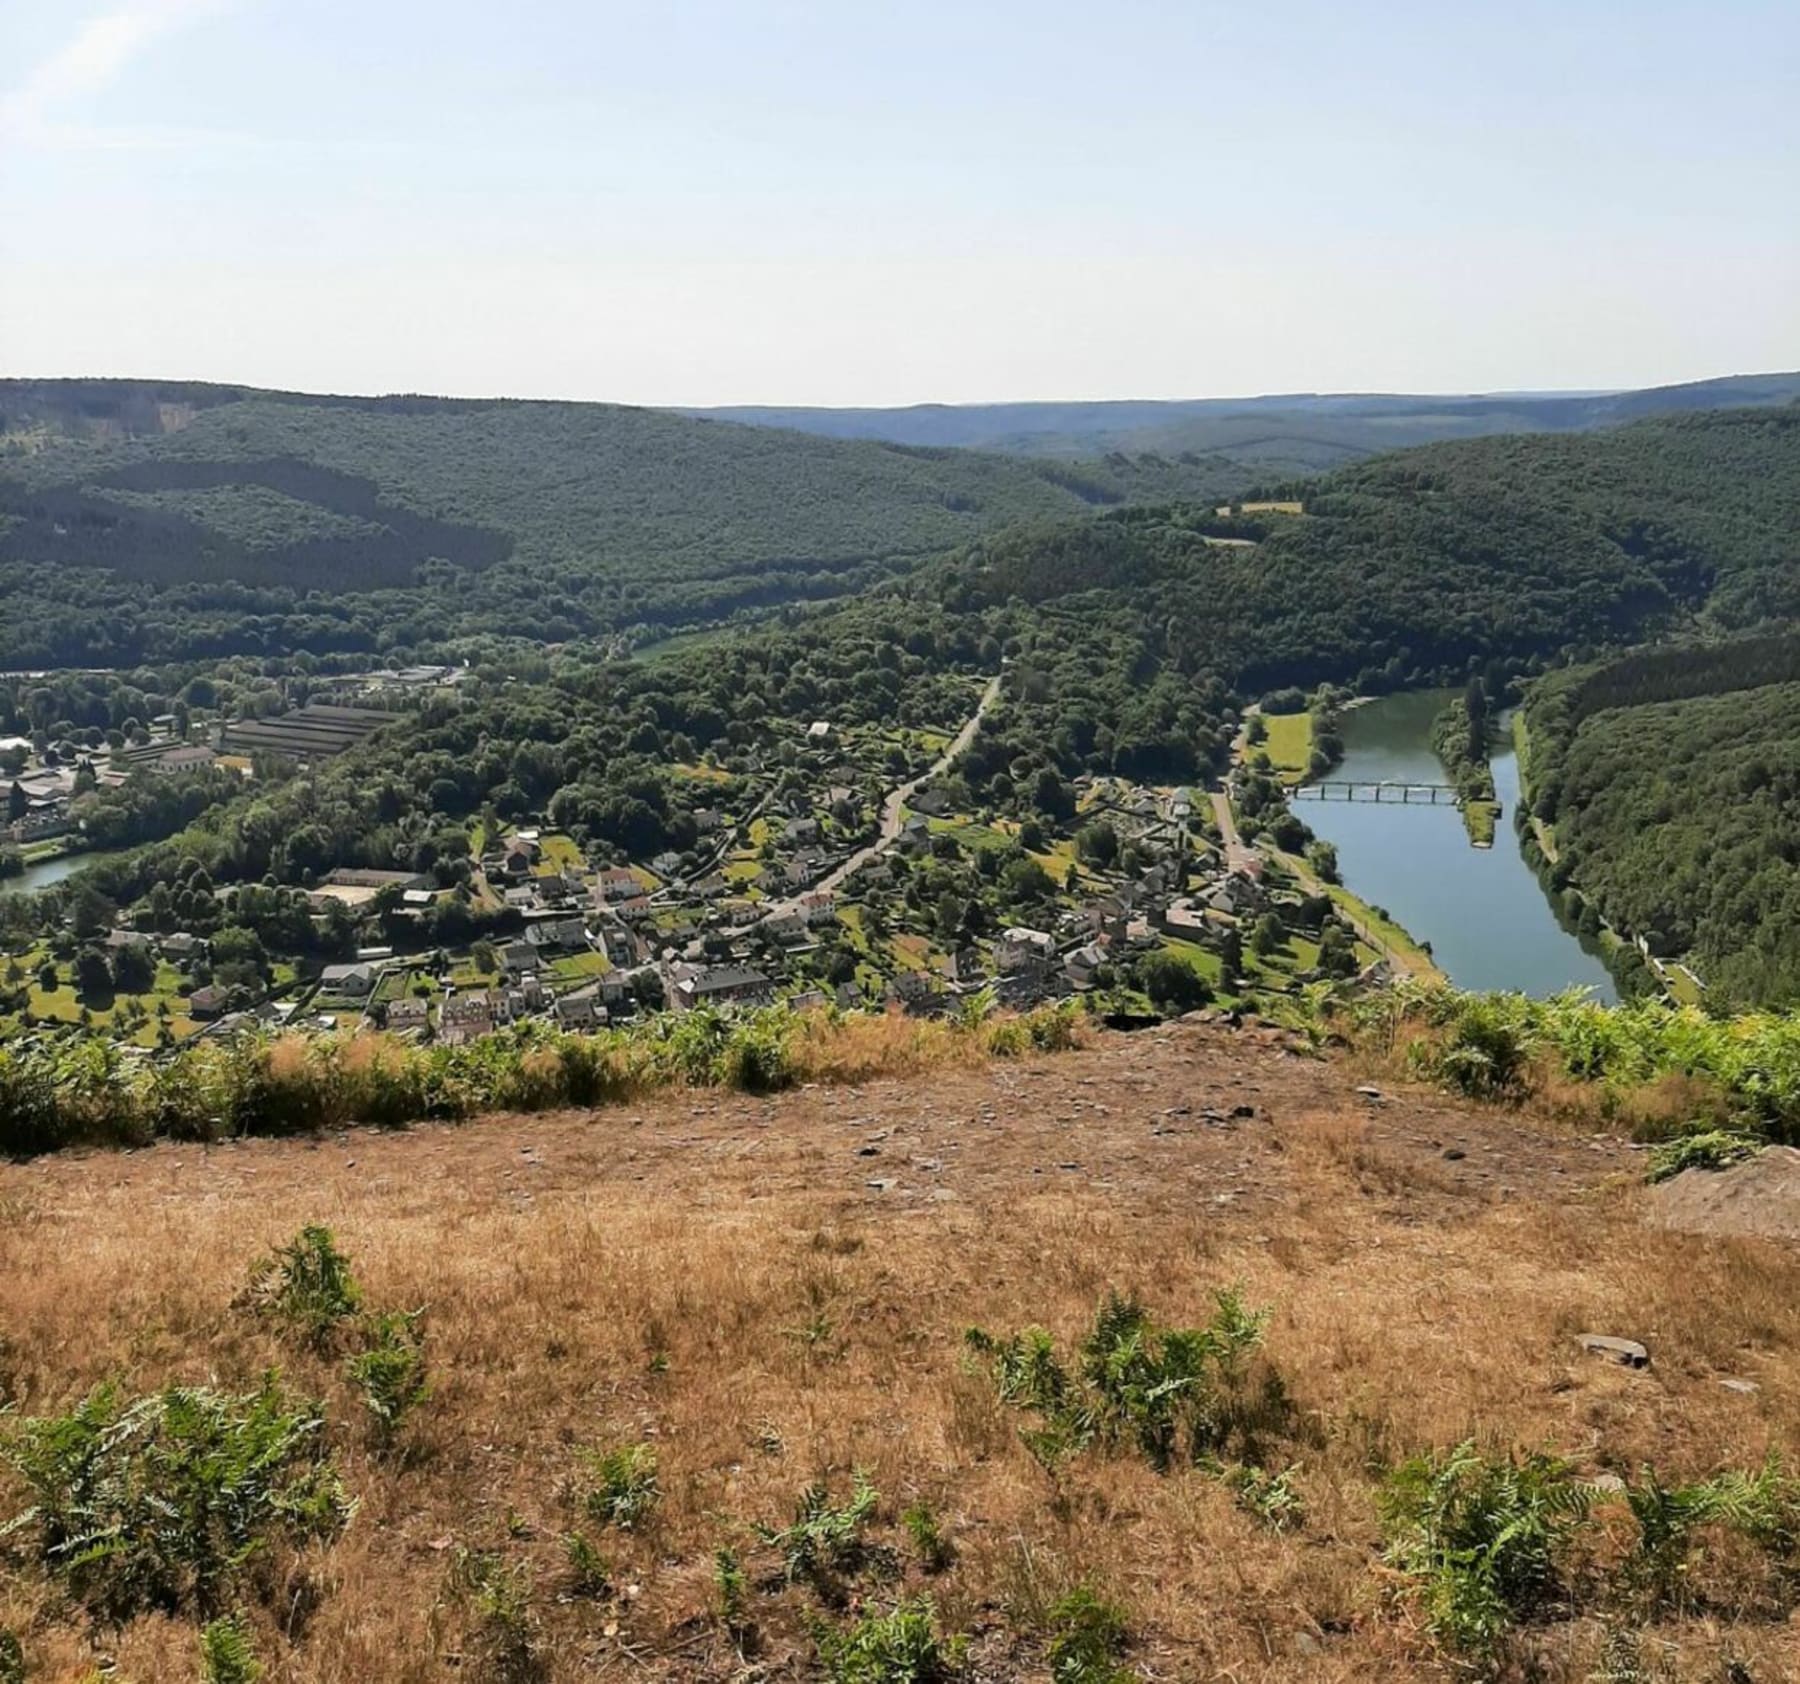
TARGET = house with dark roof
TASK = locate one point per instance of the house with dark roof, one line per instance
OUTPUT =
(723, 985)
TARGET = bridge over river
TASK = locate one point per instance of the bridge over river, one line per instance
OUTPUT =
(1386, 789)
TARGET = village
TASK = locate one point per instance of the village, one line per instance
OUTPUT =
(821, 884)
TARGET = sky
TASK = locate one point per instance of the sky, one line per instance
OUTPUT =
(843, 202)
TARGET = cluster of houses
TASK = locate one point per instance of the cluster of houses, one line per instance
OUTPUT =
(40, 794)
(712, 934)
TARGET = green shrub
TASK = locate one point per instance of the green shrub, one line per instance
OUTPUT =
(1161, 1391)
(1710, 1149)
(1484, 1055)
(933, 1548)
(756, 1057)
(391, 1372)
(1088, 1636)
(1052, 1028)
(625, 1492)
(1480, 1539)
(227, 1655)
(823, 1543)
(163, 1503)
(307, 1286)
(12, 1658)
(590, 1573)
(902, 1647)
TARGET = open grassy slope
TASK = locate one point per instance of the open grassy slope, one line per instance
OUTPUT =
(773, 1292)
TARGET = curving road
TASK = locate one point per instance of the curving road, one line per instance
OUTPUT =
(893, 809)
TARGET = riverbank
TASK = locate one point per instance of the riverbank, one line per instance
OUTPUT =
(1620, 953)
(44, 868)
(1478, 916)
(1374, 928)
(1461, 739)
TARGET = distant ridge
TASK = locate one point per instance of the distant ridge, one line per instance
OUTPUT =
(1296, 432)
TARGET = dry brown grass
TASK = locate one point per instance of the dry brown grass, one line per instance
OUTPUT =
(714, 1275)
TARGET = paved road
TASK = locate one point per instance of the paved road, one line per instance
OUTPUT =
(1238, 853)
(893, 814)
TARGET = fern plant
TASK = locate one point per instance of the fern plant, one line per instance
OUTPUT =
(307, 1286)
(1712, 1149)
(1273, 1498)
(625, 1492)
(227, 1655)
(1088, 1636)
(1162, 1392)
(1480, 1539)
(391, 1372)
(1762, 1506)
(590, 1573)
(823, 1543)
(900, 1647)
(933, 1548)
(503, 1631)
(162, 1502)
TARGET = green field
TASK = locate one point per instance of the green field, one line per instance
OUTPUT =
(63, 1005)
(576, 968)
(1289, 744)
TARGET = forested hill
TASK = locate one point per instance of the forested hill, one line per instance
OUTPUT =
(1298, 433)
(1409, 567)
(143, 519)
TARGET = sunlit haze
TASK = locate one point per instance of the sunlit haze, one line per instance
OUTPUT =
(698, 203)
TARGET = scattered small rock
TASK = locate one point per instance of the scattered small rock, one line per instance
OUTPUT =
(1454, 1153)
(1627, 1353)
(868, 1151)
(880, 1183)
(1372, 1094)
(1743, 1387)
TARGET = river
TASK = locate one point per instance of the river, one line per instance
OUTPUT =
(46, 872)
(1483, 911)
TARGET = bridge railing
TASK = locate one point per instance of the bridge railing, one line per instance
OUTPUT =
(1356, 789)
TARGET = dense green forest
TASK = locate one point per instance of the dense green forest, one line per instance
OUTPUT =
(409, 527)
(1671, 783)
(1131, 640)
(1414, 568)
(269, 522)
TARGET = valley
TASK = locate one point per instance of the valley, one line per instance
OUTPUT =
(749, 990)
(868, 845)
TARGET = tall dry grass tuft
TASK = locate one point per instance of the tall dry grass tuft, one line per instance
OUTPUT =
(53, 1096)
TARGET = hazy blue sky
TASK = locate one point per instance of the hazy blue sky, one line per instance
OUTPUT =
(845, 202)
